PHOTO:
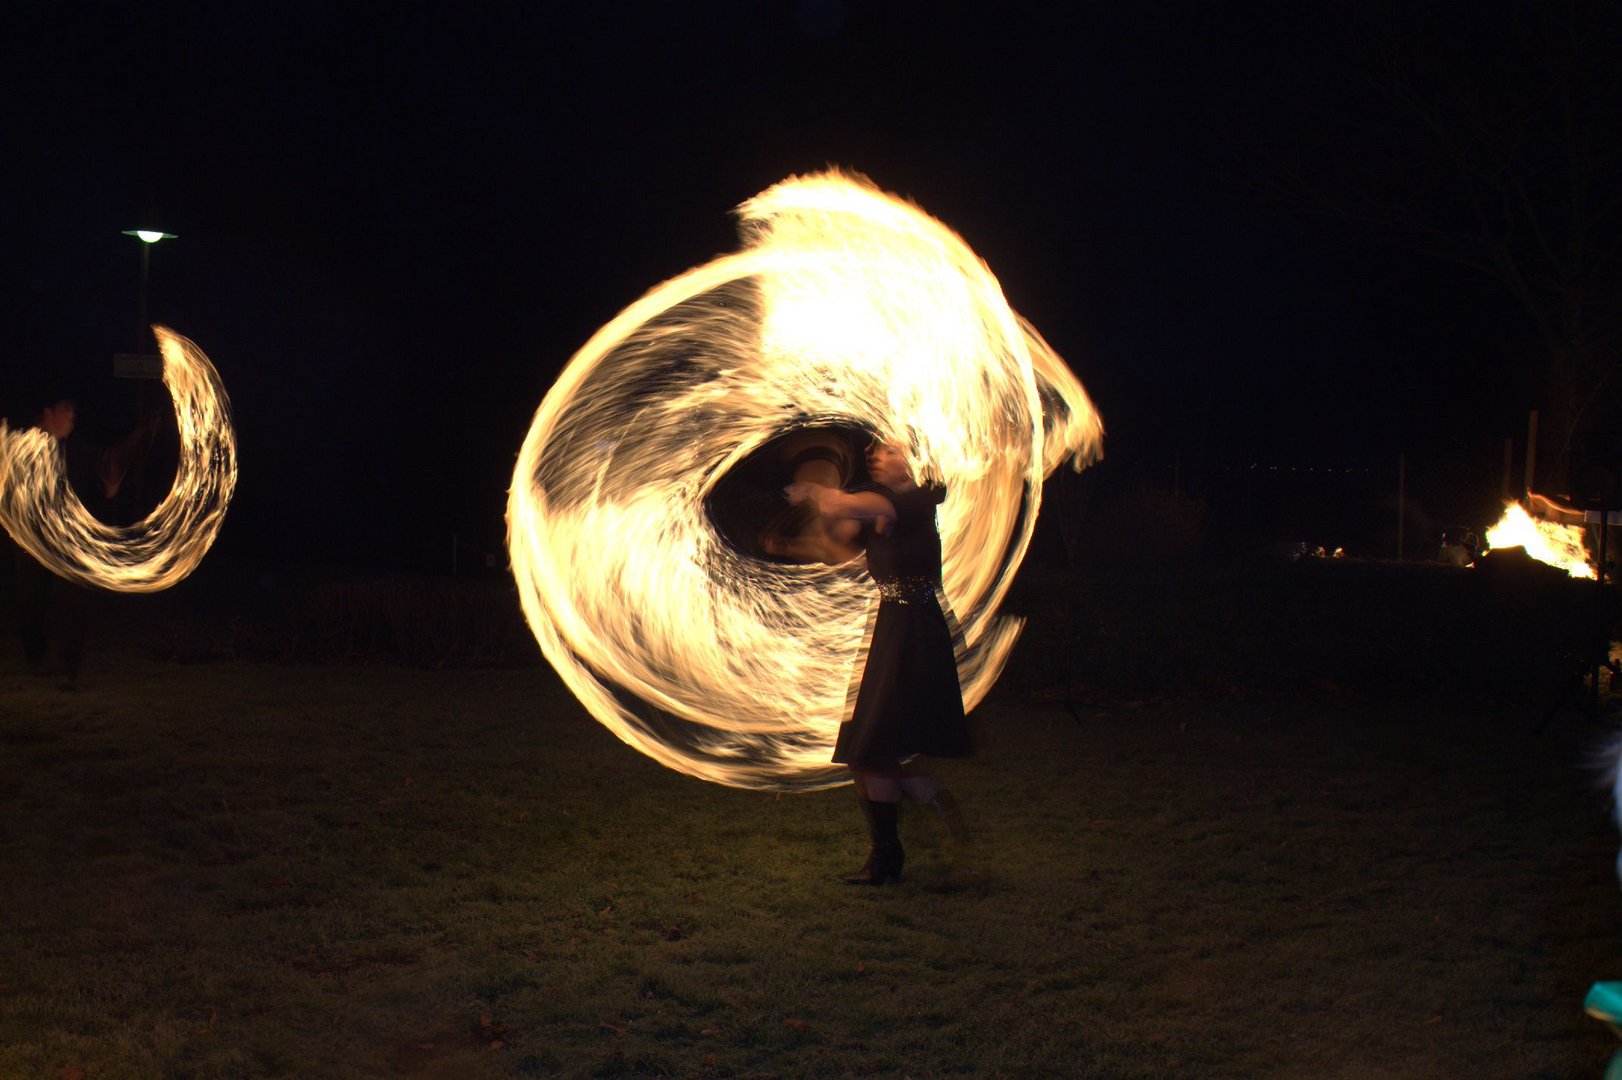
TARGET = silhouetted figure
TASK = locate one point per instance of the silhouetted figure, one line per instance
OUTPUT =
(53, 611)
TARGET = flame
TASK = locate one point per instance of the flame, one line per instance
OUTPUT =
(844, 306)
(1546, 541)
(41, 512)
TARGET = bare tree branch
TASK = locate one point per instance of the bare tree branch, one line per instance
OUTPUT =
(1489, 141)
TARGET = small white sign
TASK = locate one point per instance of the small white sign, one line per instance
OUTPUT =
(137, 366)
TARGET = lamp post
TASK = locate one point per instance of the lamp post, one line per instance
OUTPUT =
(147, 237)
(144, 367)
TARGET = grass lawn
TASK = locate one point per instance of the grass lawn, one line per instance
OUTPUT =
(250, 868)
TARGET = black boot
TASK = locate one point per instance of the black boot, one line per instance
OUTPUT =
(884, 860)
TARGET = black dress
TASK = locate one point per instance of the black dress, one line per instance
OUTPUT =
(909, 701)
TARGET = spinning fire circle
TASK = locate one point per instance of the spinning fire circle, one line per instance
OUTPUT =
(845, 310)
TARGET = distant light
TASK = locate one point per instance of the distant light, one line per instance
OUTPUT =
(149, 236)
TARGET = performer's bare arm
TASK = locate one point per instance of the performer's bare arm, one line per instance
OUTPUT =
(854, 506)
(115, 461)
(829, 540)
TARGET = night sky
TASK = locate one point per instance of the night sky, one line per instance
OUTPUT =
(397, 221)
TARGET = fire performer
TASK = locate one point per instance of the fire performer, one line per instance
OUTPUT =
(909, 702)
(49, 606)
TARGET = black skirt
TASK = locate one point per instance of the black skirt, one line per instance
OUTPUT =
(909, 701)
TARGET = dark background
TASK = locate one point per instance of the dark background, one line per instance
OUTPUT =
(397, 222)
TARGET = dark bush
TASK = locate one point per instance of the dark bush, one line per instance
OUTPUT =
(1355, 624)
(416, 622)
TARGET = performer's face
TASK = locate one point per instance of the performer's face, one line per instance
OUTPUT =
(57, 420)
(887, 464)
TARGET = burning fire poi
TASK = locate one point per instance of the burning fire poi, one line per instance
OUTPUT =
(1546, 541)
(844, 306)
(41, 512)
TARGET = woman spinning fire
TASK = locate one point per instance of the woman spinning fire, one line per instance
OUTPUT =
(909, 702)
